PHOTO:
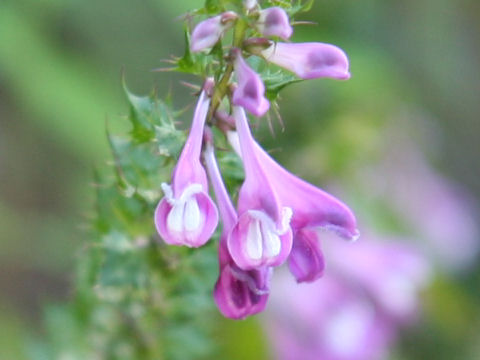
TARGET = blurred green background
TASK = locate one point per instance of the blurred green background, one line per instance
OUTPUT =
(60, 83)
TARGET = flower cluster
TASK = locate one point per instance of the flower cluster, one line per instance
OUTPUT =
(279, 217)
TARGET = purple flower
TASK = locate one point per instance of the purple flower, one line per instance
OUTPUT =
(187, 215)
(274, 22)
(309, 60)
(314, 212)
(262, 235)
(413, 188)
(306, 261)
(238, 293)
(207, 33)
(250, 91)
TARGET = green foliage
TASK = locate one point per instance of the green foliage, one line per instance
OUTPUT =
(136, 298)
(293, 7)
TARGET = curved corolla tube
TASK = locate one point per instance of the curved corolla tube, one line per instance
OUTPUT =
(187, 215)
(262, 235)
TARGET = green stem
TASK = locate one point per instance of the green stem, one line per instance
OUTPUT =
(221, 87)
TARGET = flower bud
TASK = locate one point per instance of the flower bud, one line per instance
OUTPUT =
(250, 91)
(207, 33)
(274, 22)
(309, 60)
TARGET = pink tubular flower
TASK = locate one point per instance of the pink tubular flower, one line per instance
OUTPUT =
(314, 211)
(187, 215)
(312, 207)
(309, 60)
(274, 22)
(238, 293)
(207, 33)
(250, 91)
(262, 235)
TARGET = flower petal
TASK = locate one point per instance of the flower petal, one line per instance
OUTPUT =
(309, 60)
(311, 206)
(273, 21)
(187, 215)
(250, 90)
(306, 260)
(262, 235)
(207, 33)
(179, 224)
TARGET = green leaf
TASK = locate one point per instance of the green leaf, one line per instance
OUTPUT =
(276, 81)
(213, 7)
(293, 7)
(190, 63)
(140, 110)
(169, 141)
(123, 269)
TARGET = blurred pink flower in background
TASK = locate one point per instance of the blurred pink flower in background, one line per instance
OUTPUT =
(438, 214)
(369, 291)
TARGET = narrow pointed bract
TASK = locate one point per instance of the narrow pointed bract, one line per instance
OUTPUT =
(262, 235)
(187, 215)
(250, 92)
(207, 33)
(309, 60)
(273, 21)
(238, 293)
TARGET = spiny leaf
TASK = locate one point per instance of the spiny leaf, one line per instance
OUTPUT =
(301, 6)
(275, 81)
(190, 63)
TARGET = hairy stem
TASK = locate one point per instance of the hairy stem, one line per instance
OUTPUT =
(221, 87)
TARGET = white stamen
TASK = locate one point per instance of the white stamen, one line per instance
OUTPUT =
(271, 241)
(267, 234)
(286, 216)
(175, 218)
(189, 191)
(254, 240)
(167, 190)
(185, 214)
(192, 217)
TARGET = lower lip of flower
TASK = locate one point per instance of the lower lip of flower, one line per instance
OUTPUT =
(262, 240)
(185, 215)
(258, 240)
